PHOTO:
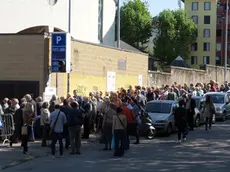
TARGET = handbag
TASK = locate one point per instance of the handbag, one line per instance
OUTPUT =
(24, 130)
(113, 142)
(55, 122)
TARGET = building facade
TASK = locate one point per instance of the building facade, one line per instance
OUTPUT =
(203, 12)
(25, 67)
(90, 20)
(220, 33)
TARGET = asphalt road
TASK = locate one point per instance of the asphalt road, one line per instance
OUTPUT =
(204, 151)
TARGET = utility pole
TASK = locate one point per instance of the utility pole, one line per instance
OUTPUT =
(179, 4)
(226, 44)
(118, 24)
(69, 30)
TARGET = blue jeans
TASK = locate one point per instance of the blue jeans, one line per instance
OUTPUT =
(57, 137)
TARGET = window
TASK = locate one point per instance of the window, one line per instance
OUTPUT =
(228, 32)
(207, 19)
(194, 60)
(218, 46)
(228, 46)
(207, 5)
(195, 6)
(219, 20)
(195, 19)
(206, 33)
(196, 32)
(218, 33)
(100, 20)
(206, 60)
(206, 46)
(218, 61)
(228, 60)
(194, 47)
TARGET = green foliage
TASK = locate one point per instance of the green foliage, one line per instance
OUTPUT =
(136, 24)
(175, 33)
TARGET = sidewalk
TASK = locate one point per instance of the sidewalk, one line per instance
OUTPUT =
(11, 156)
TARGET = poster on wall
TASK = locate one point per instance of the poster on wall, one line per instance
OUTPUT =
(140, 80)
(49, 92)
(111, 81)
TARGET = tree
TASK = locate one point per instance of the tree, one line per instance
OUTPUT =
(174, 34)
(136, 24)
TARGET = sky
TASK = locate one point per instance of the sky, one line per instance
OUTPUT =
(156, 6)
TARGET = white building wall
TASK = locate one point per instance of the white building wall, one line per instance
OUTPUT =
(17, 15)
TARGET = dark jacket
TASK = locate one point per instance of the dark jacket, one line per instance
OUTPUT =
(180, 117)
(18, 118)
(66, 110)
(75, 117)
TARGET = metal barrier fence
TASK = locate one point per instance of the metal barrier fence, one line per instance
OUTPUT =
(6, 127)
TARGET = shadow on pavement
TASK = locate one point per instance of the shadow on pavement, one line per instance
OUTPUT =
(203, 151)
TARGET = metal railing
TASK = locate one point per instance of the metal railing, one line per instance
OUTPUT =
(6, 127)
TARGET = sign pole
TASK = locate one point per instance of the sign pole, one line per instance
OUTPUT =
(69, 30)
(226, 44)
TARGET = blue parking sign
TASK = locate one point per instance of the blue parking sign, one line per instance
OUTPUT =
(58, 50)
(1, 124)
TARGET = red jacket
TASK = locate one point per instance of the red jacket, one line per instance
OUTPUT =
(128, 114)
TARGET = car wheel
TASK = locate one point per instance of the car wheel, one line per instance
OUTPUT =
(224, 116)
(197, 121)
(169, 130)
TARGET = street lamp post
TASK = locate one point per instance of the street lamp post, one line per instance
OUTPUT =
(69, 30)
(118, 23)
(226, 44)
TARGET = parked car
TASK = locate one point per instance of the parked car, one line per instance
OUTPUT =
(222, 105)
(162, 114)
(199, 115)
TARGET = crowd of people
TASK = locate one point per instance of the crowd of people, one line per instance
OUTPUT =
(114, 114)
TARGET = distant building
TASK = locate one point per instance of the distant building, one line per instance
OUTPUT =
(203, 13)
(91, 20)
(220, 33)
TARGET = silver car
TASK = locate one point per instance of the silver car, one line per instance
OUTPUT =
(199, 115)
(222, 105)
(161, 113)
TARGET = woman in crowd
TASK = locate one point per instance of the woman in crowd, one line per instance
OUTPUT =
(119, 130)
(44, 121)
(209, 110)
(109, 112)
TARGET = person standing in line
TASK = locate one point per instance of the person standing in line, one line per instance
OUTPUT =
(180, 120)
(107, 123)
(57, 121)
(209, 110)
(118, 130)
(137, 120)
(28, 115)
(66, 109)
(44, 122)
(190, 109)
(75, 121)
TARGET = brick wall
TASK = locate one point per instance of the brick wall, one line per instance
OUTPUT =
(22, 58)
(90, 64)
(184, 75)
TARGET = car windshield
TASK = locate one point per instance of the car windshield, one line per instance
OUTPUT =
(217, 99)
(156, 107)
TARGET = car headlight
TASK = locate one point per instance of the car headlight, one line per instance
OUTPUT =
(161, 121)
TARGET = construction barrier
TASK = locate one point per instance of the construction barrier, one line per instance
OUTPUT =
(6, 127)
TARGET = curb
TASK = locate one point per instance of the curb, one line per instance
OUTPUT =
(31, 157)
(21, 161)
